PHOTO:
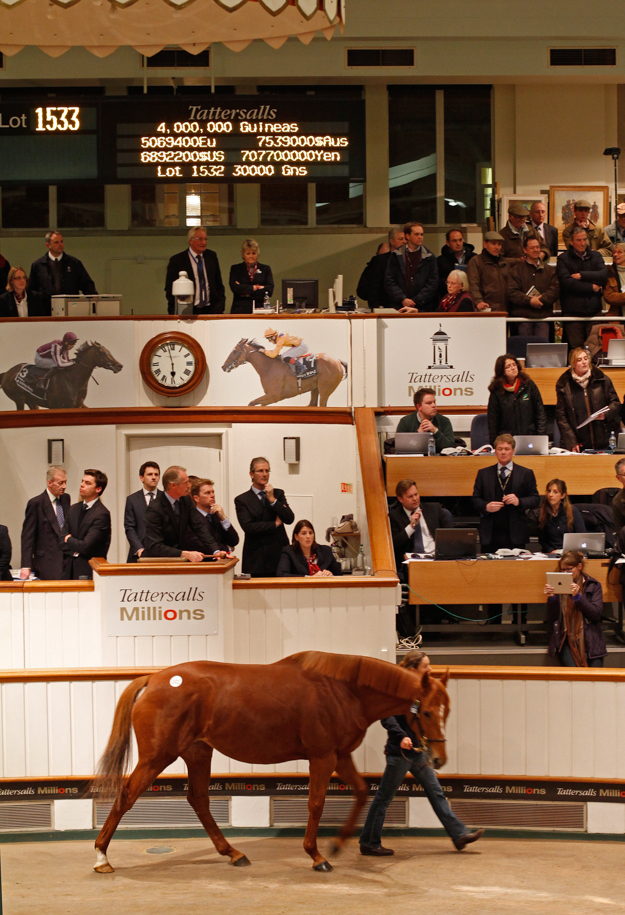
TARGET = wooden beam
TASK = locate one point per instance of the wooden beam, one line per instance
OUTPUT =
(382, 557)
(342, 581)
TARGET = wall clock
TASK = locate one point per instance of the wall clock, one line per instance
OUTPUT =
(172, 364)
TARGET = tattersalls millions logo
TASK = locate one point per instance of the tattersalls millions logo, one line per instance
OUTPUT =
(446, 379)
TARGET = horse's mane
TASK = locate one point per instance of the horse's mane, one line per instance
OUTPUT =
(378, 675)
(84, 346)
(254, 342)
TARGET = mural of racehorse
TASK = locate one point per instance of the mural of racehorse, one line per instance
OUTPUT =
(278, 379)
(313, 705)
(67, 387)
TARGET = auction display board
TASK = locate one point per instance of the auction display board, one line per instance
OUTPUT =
(127, 140)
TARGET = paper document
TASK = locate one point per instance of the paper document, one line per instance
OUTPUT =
(596, 415)
(532, 291)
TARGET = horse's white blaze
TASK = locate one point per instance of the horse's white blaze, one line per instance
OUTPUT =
(442, 717)
(100, 858)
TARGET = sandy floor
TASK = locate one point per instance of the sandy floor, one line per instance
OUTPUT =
(493, 876)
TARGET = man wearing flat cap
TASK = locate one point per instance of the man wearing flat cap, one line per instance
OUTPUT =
(616, 230)
(597, 238)
(488, 275)
(515, 231)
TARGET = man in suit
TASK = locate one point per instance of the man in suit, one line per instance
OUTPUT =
(548, 234)
(43, 524)
(502, 494)
(87, 531)
(262, 512)
(202, 267)
(58, 273)
(172, 519)
(136, 504)
(218, 525)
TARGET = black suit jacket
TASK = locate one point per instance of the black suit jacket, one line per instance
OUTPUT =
(217, 292)
(225, 539)
(292, 562)
(134, 523)
(168, 535)
(551, 239)
(434, 517)
(264, 539)
(243, 290)
(75, 278)
(90, 536)
(40, 537)
(38, 305)
(488, 489)
(5, 554)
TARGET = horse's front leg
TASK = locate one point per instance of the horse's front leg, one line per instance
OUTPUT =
(263, 401)
(320, 771)
(348, 772)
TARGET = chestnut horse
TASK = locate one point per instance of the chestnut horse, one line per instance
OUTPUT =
(312, 705)
(278, 379)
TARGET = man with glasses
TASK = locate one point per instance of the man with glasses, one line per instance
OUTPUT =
(202, 267)
(43, 523)
(618, 502)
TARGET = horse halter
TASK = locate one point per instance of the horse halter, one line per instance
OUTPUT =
(415, 724)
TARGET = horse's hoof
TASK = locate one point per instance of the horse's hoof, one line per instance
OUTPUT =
(324, 867)
(104, 869)
(241, 862)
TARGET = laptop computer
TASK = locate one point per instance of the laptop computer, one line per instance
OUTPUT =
(455, 543)
(546, 355)
(621, 441)
(616, 352)
(584, 542)
(411, 442)
(531, 444)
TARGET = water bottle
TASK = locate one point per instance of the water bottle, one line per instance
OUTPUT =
(266, 300)
(431, 445)
(612, 441)
(360, 560)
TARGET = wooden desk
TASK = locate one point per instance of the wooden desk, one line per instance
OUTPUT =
(455, 476)
(545, 380)
(495, 581)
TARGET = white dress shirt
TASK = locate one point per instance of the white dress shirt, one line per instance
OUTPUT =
(429, 545)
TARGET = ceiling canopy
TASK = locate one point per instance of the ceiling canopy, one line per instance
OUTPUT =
(102, 26)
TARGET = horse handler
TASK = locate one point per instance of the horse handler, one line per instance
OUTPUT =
(402, 757)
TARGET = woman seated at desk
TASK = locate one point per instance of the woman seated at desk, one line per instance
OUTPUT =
(515, 405)
(576, 639)
(557, 517)
(306, 557)
(16, 302)
(250, 281)
(581, 391)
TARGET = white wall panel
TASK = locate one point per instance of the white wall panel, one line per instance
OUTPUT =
(582, 749)
(514, 730)
(36, 729)
(536, 727)
(491, 726)
(560, 728)
(604, 735)
(14, 729)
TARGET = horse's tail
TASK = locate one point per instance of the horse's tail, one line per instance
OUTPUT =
(112, 768)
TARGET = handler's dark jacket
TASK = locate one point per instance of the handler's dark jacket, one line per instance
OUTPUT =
(398, 728)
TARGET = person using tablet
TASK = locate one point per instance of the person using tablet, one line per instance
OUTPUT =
(576, 638)
(557, 517)
(515, 405)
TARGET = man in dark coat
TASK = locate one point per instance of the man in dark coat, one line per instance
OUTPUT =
(532, 274)
(262, 512)
(455, 255)
(488, 275)
(43, 523)
(371, 283)
(202, 267)
(411, 278)
(87, 531)
(58, 273)
(172, 519)
(548, 234)
(582, 274)
(218, 525)
(136, 505)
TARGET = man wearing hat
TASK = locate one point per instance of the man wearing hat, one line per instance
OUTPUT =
(597, 238)
(616, 230)
(488, 275)
(515, 231)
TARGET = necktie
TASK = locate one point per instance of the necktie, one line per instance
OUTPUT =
(503, 476)
(176, 508)
(150, 498)
(417, 540)
(84, 507)
(201, 275)
(57, 276)
(59, 512)
(263, 496)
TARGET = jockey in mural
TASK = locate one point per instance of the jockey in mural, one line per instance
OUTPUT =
(295, 354)
(55, 355)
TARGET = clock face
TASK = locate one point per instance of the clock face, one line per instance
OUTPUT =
(173, 364)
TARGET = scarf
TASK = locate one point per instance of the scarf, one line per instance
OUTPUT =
(449, 301)
(512, 388)
(572, 623)
(313, 568)
(582, 380)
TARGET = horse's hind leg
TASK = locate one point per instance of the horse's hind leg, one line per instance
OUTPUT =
(314, 397)
(320, 772)
(144, 774)
(351, 776)
(198, 759)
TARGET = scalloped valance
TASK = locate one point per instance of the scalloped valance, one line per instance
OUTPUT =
(148, 26)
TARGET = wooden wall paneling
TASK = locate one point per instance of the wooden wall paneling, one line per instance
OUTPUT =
(89, 629)
(537, 728)
(290, 611)
(240, 627)
(11, 629)
(59, 728)
(143, 650)
(619, 726)
(82, 725)
(221, 763)
(604, 731)
(274, 637)
(582, 750)
(125, 651)
(382, 557)
(70, 632)
(257, 628)
(491, 726)
(36, 729)
(514, 731)
(197, 648)
(179, 650)
(35, 625)
(14, 742)
(452, 729)
(559, 703)
(345, 627)
(104, 702)
(161, 651)
(468, 711)
(307, 619)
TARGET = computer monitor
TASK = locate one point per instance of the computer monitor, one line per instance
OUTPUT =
(298, 294)
(546, 355)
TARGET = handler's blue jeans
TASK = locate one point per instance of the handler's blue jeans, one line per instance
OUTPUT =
(394, 774)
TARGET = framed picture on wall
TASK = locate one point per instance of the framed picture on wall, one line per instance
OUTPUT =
(563, 196)
(506, 199)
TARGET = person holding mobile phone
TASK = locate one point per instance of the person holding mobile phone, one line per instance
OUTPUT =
(576, 638)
